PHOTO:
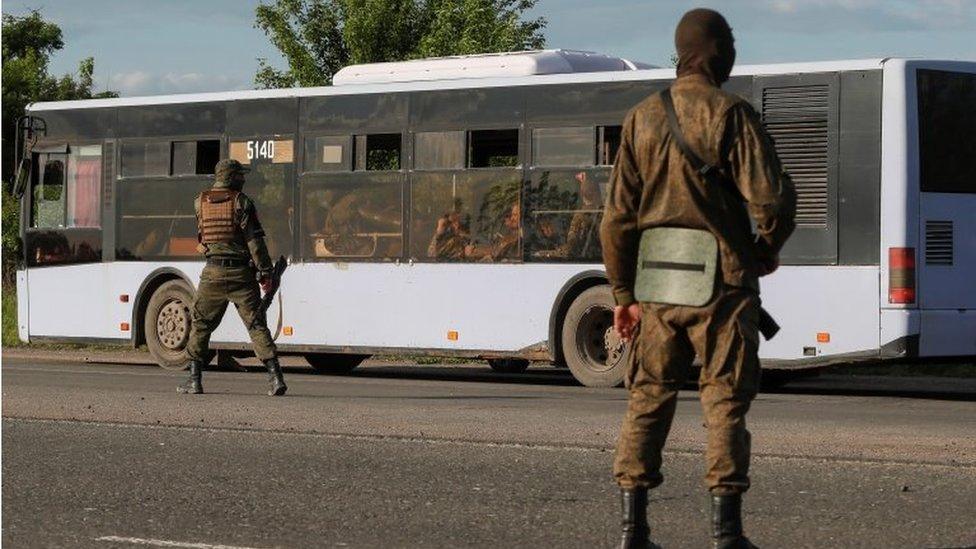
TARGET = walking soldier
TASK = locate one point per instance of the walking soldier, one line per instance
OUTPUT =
(237, 264)
(693, 165)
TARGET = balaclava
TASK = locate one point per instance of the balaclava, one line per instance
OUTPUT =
(705, 45)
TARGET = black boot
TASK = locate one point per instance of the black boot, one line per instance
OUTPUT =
(193, 385)
(727, 523)
(633, 519)
(278, 386)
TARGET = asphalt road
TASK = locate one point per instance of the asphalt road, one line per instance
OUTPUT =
(103, 455)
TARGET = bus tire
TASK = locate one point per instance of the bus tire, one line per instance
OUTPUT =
(508, 365)
(167, 324)
(594, 353)
(334, 363)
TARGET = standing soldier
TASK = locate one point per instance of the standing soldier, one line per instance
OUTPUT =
(685, 269)
(237, 262)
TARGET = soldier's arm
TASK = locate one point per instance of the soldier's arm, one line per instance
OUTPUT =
(618, 229)
(254, 235)
(757, 172)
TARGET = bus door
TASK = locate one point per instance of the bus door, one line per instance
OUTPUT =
(946, 263)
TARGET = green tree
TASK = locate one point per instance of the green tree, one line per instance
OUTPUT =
(28, 43)
(319, 37)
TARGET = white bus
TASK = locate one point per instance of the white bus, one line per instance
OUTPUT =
(450, 207)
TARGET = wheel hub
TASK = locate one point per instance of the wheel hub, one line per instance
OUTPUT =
(597, 342)
(173, 325)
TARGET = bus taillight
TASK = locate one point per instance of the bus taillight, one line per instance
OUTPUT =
(901, 275)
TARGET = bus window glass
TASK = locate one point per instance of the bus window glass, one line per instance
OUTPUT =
(195, 157)
(493, 149)
(575, 146)
(379, 152)
(439, 150)
(353, 219)
(609, 143)
(84, 186)
(156, 218)
(465, 217)
(48, 199)
(947, 142)
(145, 159)
(328, 153)
(563, 218)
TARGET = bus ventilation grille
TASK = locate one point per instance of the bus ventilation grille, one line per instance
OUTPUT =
(796, 117)
(938, 242)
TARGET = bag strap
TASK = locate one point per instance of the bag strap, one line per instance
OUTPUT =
(709, 172)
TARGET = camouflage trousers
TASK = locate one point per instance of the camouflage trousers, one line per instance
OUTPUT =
(218, 286)
(725, 335)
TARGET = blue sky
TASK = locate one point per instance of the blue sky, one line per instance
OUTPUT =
(178, 46)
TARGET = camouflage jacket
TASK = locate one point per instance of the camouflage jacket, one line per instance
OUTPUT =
(251, 245)
(654, 185)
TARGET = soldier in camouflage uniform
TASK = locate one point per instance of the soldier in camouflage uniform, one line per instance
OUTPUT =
(654, 186)
(237, 264)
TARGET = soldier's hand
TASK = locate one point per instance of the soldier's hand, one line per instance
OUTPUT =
(626, 319)
(265, 283)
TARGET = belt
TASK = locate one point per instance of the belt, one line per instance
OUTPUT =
(227, 262)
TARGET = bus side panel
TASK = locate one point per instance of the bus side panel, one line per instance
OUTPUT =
(74, 301)
(811, 300)
(490, 307)
(947, 261)
(23, 311)
(83, 301)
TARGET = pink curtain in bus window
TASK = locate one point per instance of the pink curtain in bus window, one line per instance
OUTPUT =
(83, 211)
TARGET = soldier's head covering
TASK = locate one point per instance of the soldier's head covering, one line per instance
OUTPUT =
(705, 45)
(225, 171)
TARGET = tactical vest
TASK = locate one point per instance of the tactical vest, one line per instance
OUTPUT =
(218, 220)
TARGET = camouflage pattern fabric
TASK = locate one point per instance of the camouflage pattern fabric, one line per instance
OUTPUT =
(725, 335)
(653, 185)
(218, 286)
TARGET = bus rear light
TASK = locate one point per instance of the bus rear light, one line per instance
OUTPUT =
(452, 336)
(124, 326)
(823, 337)
(288, 330)
(901, 275)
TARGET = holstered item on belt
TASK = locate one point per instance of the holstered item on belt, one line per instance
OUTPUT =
(217, 220)
(677, 266)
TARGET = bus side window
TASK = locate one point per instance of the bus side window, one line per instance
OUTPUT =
(569, 146)
(48, 211)
(439, 150)
(146, 159)
(493, 148)
(195, 157)
(328, 153)
(378, 152)
(609, 143)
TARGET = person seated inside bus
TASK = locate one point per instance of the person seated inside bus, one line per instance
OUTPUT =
(504, 244)
(581, 240)
(355, 228)
(452, 239)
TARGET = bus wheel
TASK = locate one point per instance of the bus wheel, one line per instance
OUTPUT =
(594, 353)
(508, 365)
(167, 324)
(334, 363)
